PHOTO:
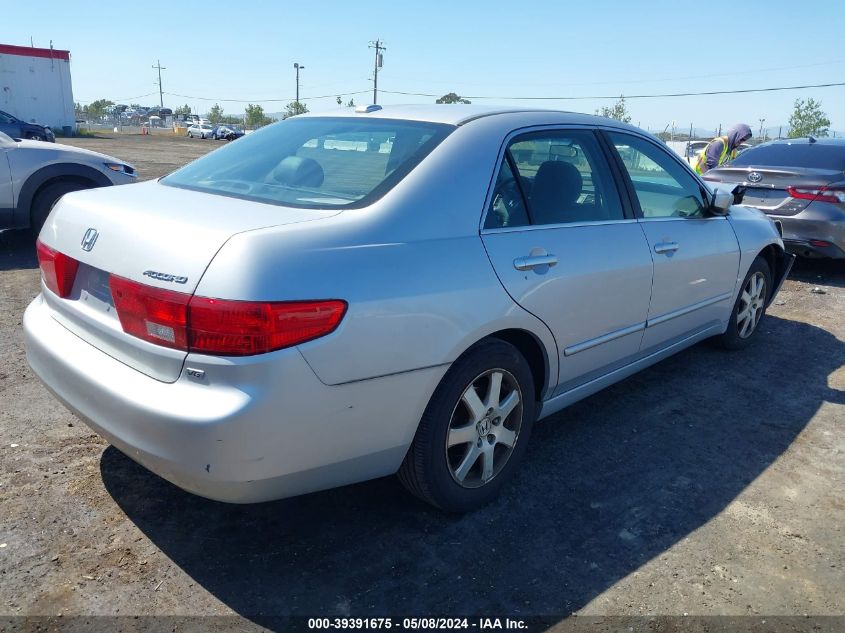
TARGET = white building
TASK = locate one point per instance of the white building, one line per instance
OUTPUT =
(35, 85)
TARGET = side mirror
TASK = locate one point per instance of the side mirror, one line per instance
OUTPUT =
(722, 201)
(739, 193)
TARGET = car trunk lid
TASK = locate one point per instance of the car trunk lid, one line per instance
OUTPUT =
(766, 188)
(156, 235)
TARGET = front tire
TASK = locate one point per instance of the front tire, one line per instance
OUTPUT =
(474, 431)
(750, 307)
(35, 137)
(47, 197)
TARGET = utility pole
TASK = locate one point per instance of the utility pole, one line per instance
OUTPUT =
(298, 68)
(160, 89)
(378, 45)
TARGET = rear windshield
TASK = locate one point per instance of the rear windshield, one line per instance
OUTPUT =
(813, 155)
(314, 162)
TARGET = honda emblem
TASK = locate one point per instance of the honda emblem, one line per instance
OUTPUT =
(89, 239)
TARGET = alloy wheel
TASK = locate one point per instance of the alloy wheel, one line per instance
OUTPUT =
(751, 305)
(484, 428)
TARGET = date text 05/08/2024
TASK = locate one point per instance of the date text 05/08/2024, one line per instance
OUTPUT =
(425, 623)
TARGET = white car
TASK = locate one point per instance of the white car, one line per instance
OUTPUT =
(202, 130)
(34, 175)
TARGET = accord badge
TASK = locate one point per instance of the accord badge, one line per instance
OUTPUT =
(176, 279)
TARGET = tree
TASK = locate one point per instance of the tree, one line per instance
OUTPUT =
(215, 115)
(254, 116)
(452, 98)
(350, 103)
(619, 111)
(185, 109)
(808, 119)
(97, 109)
(294, 108)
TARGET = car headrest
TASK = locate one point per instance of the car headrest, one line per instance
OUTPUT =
(559, 178)
(296, 170)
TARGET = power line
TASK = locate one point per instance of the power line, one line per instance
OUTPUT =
(616, 96)
(149, 94)
(525, 98)
(334, 94)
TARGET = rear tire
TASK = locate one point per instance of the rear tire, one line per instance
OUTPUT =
(47, 197)
(474, 431)
(750, 307)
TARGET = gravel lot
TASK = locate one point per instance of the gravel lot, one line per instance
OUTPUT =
(710, 484)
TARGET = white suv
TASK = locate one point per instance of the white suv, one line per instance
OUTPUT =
(34, 175)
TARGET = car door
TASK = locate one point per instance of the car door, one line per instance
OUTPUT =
(696, 255)
(566, 249)
(7, 198)
(9, 125)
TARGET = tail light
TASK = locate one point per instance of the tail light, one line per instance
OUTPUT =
(241, 328)
(818, 194)
(57, 269)
(152, 314)
(216, 326)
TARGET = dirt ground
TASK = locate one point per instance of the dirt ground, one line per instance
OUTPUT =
(152, 155)
(710, 484)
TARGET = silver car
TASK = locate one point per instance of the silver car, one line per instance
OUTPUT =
(407, 289)
(33, 175)
(202, 130)
(799, 183)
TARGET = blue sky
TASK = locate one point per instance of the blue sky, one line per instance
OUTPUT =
(504, 49)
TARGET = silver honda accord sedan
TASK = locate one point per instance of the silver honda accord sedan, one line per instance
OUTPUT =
(400, 289)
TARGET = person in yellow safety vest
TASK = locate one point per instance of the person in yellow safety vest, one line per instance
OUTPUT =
(722, 148)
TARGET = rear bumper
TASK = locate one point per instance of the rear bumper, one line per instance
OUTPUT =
(805, 233)
(805, 248)
(249, 430)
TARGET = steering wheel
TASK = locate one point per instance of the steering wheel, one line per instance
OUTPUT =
(506, 195)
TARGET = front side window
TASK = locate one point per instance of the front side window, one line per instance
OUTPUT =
(664, 188)
(563, 178)
(314, 162)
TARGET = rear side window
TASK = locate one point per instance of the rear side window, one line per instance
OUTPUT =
(315, 162)
(803, 154)
(563, 177)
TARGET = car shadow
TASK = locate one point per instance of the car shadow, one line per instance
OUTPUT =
(827, 272)
(17, 250)
(607, 485)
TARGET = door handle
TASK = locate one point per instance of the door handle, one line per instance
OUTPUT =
(531, 262)
(666, 247)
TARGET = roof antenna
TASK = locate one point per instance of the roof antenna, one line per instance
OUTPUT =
(811, 138)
